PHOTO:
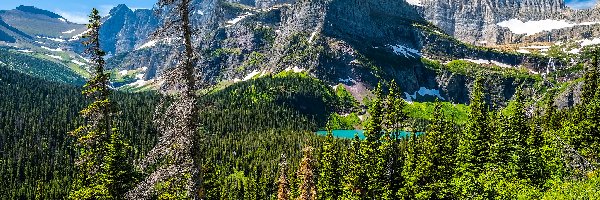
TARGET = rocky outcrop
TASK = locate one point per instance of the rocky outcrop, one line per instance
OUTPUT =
(357, 44)
(124, 29)
(476, 22)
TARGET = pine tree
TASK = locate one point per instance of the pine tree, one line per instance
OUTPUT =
(103, 169)
(395, 115)
(369, 156)
(329, 168)
(306, 174)
(353, 179)
(177, 173)
(473, 149)
(283, 192)
(510, 141)
(534, 168)
(389, 165)
(437, 162)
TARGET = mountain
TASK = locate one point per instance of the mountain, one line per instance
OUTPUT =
(356, 44)
(510, 21)
(37, 22)
(124, 29)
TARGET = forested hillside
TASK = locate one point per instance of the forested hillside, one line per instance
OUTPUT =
(236, 112)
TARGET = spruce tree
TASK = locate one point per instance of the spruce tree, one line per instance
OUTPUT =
(389, 165)
(510, 140)
(353, 182)
(329, 170)
(103, 168)
(369, 156)
(474, 146)
(437, 162)
(534, 167)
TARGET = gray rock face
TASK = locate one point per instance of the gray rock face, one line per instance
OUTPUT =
(356, 43)
(475, 21)
(125, 29)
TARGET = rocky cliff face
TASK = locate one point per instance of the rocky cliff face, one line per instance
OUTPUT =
(477, 21)
(124, 29)
(354, 43)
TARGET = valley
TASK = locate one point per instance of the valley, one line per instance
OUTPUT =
(302, 99)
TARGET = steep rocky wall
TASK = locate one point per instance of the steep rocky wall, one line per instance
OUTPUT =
(475, 21)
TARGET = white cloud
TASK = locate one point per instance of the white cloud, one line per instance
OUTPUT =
(75, 17)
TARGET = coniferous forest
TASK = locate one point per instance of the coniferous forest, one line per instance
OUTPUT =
(256, 139)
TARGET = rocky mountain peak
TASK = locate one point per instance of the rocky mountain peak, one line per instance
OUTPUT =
(120, 10)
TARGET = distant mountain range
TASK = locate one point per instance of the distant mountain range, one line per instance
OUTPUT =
(356, 44)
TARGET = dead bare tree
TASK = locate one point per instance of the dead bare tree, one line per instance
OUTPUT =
(175, 173)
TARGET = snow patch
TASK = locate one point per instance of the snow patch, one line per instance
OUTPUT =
(423, 91)
(25, 51)
(574, 51)
(62, 19)
(588, 42)
(523, 51)
(312, 37)
(532, 27)
(78, 62)
(479, 61)
(347, 80)
(55, 39)
(140, 83)
(55, 57)
(140, 76)
(50, 49)
(405, 51)
(144, 68)
(148, 44)
(69, 31)
(39, 42)
(123, 72)
(487, 62)
(76, 37)
(414, 2)
(252, 74)
(295, 69)
(238, 19)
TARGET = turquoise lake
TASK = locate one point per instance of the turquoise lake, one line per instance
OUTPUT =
(349, 134)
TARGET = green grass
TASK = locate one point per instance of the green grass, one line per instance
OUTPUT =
(40, 66)
(457, 113)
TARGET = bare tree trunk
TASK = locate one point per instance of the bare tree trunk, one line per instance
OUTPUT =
(177, 121)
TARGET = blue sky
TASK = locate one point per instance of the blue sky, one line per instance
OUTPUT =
(77, 10)
(581, 3)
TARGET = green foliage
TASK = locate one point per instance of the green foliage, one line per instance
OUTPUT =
(474, 145)
(225, 51)
(39, 67)
(38, 162)
(348, 122)
(575, 189)
(348, 103)
(473, 70)
(456, 113)
(101, 172)
(329, 185)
